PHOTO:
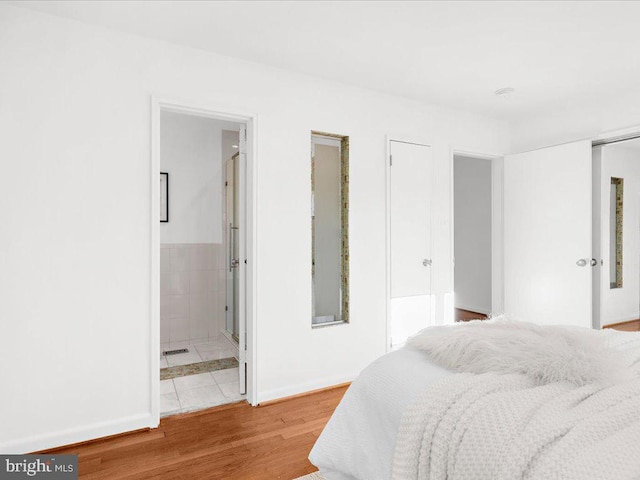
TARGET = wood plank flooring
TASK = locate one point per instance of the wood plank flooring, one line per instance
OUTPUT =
(466, 315)
(230, 442)
(630, 326)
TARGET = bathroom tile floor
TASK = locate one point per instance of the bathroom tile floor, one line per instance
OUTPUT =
(192, 392)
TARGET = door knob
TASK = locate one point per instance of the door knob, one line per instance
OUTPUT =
(426, 262)
(583, 262)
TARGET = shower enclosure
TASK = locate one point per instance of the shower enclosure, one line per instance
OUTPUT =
(232, 237)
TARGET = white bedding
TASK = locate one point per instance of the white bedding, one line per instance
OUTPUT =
(359, 440)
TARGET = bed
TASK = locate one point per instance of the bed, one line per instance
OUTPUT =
(419, 412)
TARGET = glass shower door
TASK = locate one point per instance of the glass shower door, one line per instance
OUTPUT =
(232, 238)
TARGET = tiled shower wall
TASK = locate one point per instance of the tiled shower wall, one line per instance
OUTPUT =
(192, 292)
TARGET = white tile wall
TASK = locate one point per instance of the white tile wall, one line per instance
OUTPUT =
(179, 258)
(192, 291)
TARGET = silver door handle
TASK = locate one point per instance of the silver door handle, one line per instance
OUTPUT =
(583, 262)
(233, 262)
(230, 246)
(427, 262)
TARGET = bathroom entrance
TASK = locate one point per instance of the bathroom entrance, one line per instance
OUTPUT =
(203, 251)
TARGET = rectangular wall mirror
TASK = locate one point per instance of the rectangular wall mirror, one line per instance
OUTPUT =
(615, 232)
(329, 229)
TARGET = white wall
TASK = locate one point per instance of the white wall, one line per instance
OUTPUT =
(621, 304)
(472, 233)
(568, 125)
(229, 139)
(75, 249)
(191, 152)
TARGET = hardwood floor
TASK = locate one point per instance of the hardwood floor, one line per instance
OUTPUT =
(630, 326)
(466, 315)
(234, 441)
(230, 442)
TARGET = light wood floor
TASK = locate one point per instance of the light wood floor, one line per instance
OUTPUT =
(466, 315)
(234, 441)
(630, 326)
(230, 442)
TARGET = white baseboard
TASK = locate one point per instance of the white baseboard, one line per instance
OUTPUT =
(474, 308)
(76, 435)
(284, 392)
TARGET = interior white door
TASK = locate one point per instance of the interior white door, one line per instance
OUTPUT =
(410, 175)
(547, 235)
(241, 206)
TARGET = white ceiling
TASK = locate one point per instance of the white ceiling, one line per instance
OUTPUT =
(555, 54)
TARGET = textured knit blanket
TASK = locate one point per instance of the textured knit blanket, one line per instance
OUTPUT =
(493, 426)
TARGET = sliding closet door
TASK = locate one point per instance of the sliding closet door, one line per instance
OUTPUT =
(410, 175)
(547, 235)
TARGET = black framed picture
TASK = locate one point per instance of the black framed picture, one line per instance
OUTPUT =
(164, 197)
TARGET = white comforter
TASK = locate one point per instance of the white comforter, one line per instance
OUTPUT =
(359, 440)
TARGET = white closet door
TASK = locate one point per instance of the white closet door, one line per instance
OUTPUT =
(410, 239)
(547, 235)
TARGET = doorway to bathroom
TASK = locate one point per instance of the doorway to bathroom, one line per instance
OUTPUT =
(204, 253)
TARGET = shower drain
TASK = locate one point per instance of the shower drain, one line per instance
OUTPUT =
(175, 352)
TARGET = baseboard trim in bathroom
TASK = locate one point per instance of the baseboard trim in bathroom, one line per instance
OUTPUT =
(196, 368)
(176, 351)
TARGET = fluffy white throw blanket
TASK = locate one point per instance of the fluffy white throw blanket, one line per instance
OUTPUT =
(526, 425)
(543, 353)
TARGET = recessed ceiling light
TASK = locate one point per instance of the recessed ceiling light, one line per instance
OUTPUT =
(504, 92)
(234, 146)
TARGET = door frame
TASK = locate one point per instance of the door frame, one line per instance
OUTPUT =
(497, 227)
(248, 284)
(387, 204)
